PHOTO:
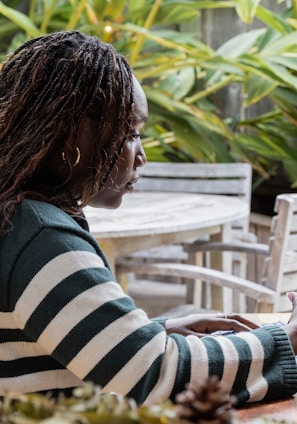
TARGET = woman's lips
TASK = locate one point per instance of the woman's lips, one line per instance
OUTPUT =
(131, 184)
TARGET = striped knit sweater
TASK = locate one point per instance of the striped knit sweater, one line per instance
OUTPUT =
(64, 320)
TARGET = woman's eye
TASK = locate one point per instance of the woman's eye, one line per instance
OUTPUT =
(133, 136)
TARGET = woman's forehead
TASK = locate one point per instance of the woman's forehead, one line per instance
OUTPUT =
(140, 102)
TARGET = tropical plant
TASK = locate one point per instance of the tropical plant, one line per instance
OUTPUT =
(183, 77)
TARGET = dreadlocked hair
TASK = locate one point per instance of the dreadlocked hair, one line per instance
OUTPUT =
(46, 86)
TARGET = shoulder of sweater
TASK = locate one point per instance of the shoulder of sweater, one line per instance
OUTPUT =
(30, 219)
(37, 215)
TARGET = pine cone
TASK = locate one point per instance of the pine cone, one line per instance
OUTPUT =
(209, 404)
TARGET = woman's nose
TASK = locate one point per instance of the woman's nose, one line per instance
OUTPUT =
(140, 158)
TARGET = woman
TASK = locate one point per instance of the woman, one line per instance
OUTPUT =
(70, 116)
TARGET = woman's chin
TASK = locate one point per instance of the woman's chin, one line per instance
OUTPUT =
(112, 202)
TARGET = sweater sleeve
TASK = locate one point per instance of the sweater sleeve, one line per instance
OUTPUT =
(69, 306)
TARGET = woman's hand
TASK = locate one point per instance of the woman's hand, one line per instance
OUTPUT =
(201, 325)
(291, 327)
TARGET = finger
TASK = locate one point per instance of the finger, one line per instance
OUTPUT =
(225, 325)
(252, 325)
(222, 324)
(238, 326)
(233, 325)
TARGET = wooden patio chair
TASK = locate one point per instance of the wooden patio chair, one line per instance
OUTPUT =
(279, 271)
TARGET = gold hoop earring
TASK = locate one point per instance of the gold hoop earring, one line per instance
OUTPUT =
(76, 161)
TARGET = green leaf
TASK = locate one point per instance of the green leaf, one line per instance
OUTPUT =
(114, 9)
(286, 100)
(154, 36)
(188, 141)
(281, 44)
(176, 14)
(264, 69)
(288, 60)
(20, 19)
(290, 165)
(205, 119)
(135, 4)
(239, 44)
(178, 83)
(246, 10)
(17, 41)
(256, 88)
(282, 73)
(263, 146)
(211, 4)
(273, 21)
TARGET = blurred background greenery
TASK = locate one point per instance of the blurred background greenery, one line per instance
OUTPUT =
(220, 76)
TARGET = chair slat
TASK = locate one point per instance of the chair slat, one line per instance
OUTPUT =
(294, 224)
(292, 242)
(289, 282)
(290, 262)
(225, 187)
(197, 170)
(283, 304)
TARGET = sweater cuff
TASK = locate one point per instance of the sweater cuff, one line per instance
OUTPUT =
(287, 358)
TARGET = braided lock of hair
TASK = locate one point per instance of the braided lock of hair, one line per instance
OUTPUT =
(46, 86)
